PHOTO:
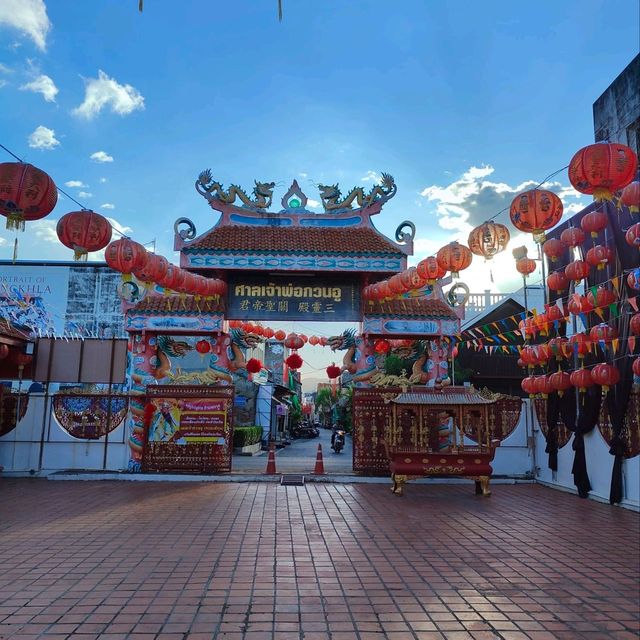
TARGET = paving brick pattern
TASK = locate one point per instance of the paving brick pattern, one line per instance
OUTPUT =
(251, 561)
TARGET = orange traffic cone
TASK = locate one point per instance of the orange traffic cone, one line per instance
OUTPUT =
(319, 470)
(271, 461)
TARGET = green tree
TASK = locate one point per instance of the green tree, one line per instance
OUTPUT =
(324, 403)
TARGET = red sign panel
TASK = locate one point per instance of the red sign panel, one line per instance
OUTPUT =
(188, 429)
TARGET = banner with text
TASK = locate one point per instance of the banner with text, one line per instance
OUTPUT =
(286, 298)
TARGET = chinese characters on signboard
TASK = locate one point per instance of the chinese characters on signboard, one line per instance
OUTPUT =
(258, 298)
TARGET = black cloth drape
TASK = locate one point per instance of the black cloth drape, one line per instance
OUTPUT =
(588, 413)
(617, 403)
(553, 413)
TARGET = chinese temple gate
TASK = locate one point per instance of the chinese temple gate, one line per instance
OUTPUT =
(288, 265)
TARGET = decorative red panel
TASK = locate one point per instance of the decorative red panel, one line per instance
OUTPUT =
(564, 435)
(630, 429)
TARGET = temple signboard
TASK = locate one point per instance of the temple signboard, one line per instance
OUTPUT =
(286, 298)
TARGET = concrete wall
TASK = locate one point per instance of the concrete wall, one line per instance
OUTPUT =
(616, 113)
(599, 466)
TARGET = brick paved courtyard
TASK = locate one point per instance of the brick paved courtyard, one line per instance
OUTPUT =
(116, 560)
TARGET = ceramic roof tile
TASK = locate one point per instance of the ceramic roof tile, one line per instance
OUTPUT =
(350, 240)
(442, 397)
(410, 307)
(177, 304)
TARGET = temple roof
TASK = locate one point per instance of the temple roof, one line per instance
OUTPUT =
(410, 308)
(160, 305)
(294, 240)
(442, 398)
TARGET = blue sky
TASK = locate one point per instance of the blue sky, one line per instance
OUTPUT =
(463, 103)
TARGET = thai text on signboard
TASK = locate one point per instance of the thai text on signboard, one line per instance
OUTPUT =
(259, 298)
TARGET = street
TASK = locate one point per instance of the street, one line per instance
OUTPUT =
(300, 457)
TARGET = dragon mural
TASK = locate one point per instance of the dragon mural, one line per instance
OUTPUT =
(150, 362)
(431, 368)
(332, 200)
(360, 358)
(213, 190)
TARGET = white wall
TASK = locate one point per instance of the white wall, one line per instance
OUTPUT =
(599, 466)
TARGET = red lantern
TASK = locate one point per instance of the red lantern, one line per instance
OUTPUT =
(381, 346)
(560, 348)
(606, 375)
(631, 197)
(633, 279)
(604, 297)
(488, 239)
(186, 284)
(125, 255)
(553, 315)
(4, 351)
(268, 333)
(521, 363)
(254, 365)
(602, 333)
(542, 385)
(411, 280)
(430, 270)
(294, 341)
(20, 358)
(313, 340)
(324, 341)
(528, 386)
(396, 285)
(258, 330)
(535, 211)
(554, 249)
(633, 235)
(542, 323)
(333, 371)
(174, 277)
(594, 222)
(294, 361)
(599, 256)
(279, 335)
(581, 379)
(235, 324)
(203, 347)
(385, 290)
(83, 231)
(636, 367)
(557, 281)
(529, 356)
(580, 344)
(525, 266)
(575, 304)
(576, 270)
(248, 327)
(560, 381)
(154, 271)
(600, 169)
(454, 257)
(304, 338)
(572, 237)
(634, 324)
(26, 193)
(544, 353)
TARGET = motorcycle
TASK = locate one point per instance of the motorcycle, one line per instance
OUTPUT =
(305, 431)
(338, 441)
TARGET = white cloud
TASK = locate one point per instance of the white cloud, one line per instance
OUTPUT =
(314, 204)
(75, 183)
(302, 174)
(5, 69)
(472, 199)
(107, 205)
(43, 138)
(45, 230)
(103, 180)
(371, 175)
(104, 91)
(85, 194)
(101, 156)
(123, 229)
(42, 84)
(3, 83)
(28, 16)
